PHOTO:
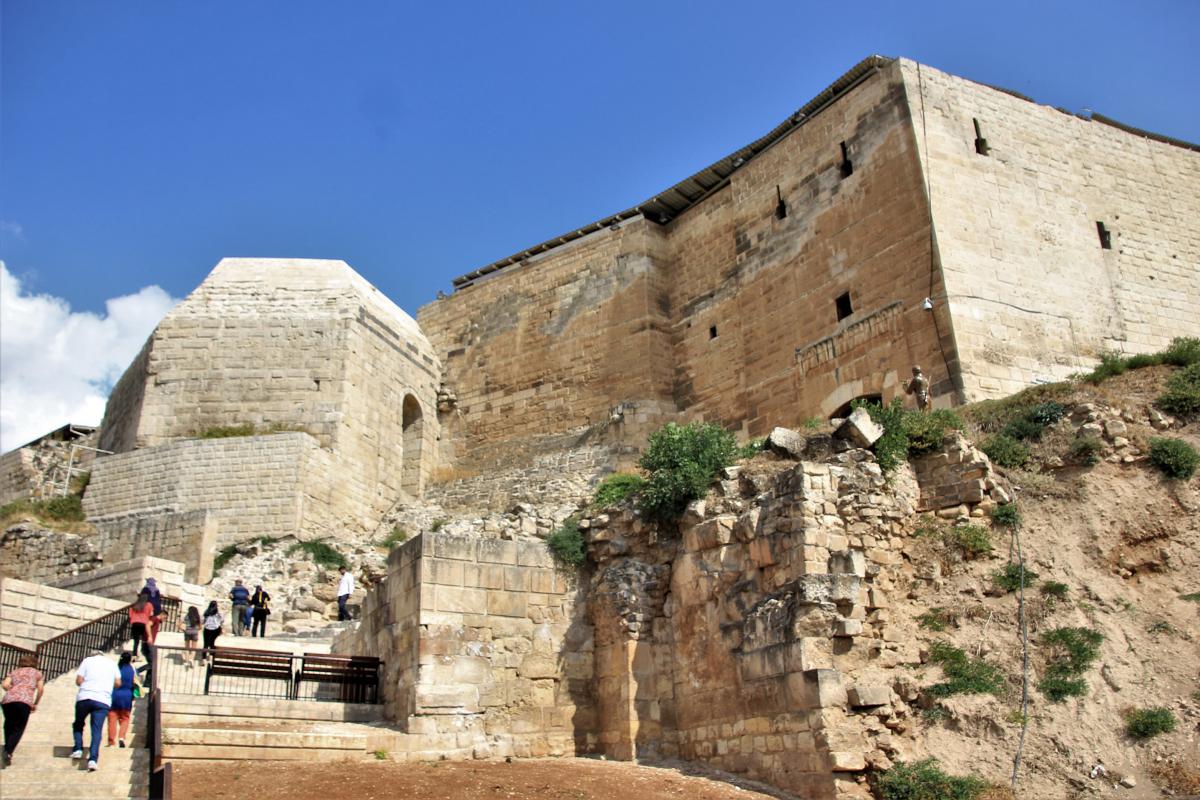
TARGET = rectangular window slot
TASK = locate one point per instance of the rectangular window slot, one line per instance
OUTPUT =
(981, 145)
(780, 207)
(712, 331)
(1105, 235)
(844, 309)
(847, 164)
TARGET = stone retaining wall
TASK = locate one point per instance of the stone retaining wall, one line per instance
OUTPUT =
(31, 613)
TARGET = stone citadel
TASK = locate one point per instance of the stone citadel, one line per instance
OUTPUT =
(903, 216)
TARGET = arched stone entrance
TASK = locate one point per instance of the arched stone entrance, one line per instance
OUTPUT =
(844, 410)
(413, 428)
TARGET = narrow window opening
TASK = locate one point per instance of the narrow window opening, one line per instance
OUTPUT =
(847, 164)
(981, 145)
(844, 309)
(780, 207)
(1105, 235)
(712, 331)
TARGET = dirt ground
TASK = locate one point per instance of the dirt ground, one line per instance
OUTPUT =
(545, 779)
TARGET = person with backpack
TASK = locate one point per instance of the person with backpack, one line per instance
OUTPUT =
(212, 626)
(140, 615)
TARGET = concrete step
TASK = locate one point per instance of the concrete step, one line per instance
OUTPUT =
(180, 709)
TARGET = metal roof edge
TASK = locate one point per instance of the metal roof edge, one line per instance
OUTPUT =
(671, 202)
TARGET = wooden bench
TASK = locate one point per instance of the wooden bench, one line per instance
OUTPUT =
(239, 663)
(356, 676)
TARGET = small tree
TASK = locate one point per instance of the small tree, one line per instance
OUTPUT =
(681, 461)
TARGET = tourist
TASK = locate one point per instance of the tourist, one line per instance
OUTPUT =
(212, 626)
(140, 614)
(122, 702)
(151, 590)
(191, 632)
(240, 597)
(260, 602)
(96, 678)
(23, 689)
(344, 590)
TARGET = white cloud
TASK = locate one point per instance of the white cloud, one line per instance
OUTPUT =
(58, 365)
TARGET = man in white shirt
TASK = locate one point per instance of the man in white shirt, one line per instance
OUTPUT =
(96, 678)
(344, 590)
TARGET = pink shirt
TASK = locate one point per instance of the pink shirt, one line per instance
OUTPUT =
(142, 616)
(24, 686)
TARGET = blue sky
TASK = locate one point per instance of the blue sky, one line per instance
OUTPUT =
(142, 141)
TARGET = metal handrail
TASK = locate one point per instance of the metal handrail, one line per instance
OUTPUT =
(160, 773)
(10, 654)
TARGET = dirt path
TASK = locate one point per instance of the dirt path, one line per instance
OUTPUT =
(545, 779)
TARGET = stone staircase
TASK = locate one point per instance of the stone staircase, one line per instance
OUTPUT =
(42, 768)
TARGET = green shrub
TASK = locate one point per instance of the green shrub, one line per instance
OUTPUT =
(56, 509)
(1193, 597)
(1085, 450)
(681, 461)
(322, 554)
(438, 524)
(1182, 395)
(813, 423)
(1145, 723)
(223, 556)
(1030, 423)
(927, 430)
(1008, 515)
(908, 433)
(1055, 589)
(992, 415)
(971, 541)
(1072, 653)
(1005, 451)
(226, 431)
(1009, 578)
(1111, 364)
(752, 448)
(615, 489)
(1184, 351)
(567, 545)
(398, 536)
(964, 675)
(1174, 457)
(924, 780)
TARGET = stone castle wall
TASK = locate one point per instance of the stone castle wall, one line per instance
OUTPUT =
(31, 613)
(292, 345)
(273, 485)
(1033, 295)
(187, 537)
(487, 649)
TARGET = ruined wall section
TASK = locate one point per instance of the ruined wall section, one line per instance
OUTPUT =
(274, 485)
(554, 345)
(494, 652)
(1033, 294)
(754, 296)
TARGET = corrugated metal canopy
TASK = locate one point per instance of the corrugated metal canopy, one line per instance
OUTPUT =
(667, 205)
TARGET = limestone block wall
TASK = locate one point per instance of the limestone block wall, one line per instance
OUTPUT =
(38, 469)
(750, 643)
(31, 613)
(1033, 294)
(272, 485)
(33, 554)
(17, 475)
(30, 553)
(494, 651)
(759, 341)
(556, 343)
(185, 537)
(289, 344)
(122, 580)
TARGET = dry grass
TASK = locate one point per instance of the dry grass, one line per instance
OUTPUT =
(1176, 777)
(996, 792)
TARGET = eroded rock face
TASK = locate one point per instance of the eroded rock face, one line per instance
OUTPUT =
(736, 640)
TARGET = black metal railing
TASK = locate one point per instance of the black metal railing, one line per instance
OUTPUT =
(9, 655)
(61, 654)
(236, 672)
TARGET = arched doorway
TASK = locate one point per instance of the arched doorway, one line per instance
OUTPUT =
(845, 409)
(412, 428)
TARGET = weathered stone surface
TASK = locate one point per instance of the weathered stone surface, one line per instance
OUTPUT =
(859, 429)
(866, 696)
(786, 442)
